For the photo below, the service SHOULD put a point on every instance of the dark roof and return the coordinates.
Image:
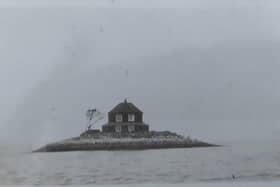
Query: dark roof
(125, 107)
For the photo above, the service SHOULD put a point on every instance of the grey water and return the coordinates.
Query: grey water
(242, 161)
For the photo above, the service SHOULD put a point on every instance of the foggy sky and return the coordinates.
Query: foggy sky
(209, 69)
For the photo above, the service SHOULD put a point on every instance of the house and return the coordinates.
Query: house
(125, 118)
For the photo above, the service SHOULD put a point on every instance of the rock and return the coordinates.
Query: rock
(89, 141)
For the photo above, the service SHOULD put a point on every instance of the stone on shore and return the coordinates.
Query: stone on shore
(93, 141)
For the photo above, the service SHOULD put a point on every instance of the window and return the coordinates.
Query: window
(119, 118)
(118, 128)
(131, 117)
(131, 128)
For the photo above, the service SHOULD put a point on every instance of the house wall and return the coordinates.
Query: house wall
(138, 117)
(138, 128)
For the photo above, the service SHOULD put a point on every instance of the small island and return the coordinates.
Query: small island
(125, 130)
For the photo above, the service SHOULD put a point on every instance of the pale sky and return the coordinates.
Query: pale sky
(208, 69)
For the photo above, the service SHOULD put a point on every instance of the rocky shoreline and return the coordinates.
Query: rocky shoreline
(98, 141)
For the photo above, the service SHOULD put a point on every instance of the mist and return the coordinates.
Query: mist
(205, 69)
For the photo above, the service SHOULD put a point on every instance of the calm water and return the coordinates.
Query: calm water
(247, 162)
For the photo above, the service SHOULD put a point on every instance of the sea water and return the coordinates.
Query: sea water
(236, 162)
